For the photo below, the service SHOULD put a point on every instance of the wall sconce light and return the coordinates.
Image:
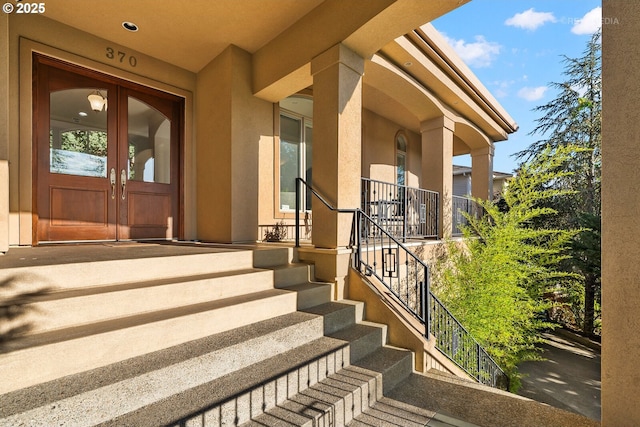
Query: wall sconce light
(97, 101)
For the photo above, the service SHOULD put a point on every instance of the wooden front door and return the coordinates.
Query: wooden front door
(107, 157)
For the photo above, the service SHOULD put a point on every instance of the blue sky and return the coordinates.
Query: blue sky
(515, 48)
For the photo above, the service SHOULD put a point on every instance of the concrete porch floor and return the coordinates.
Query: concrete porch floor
(66, 253)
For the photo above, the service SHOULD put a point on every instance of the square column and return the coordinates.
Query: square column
(437, 167)
(482, 173)
(4, 133)
(228, 145)
(620, 219)
(337, 128)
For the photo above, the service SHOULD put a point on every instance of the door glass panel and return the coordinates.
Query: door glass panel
(78, 134)
(149, 143)
(290, 135)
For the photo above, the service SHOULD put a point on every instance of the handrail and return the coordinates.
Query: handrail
(320, 197)
(388, 266)
(383, 258)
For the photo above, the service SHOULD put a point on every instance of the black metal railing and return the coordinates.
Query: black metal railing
(404, 212)
(380, 255)
(461, 206)
(458, 344)
(406, 276)
(286, 231)
(402, 272)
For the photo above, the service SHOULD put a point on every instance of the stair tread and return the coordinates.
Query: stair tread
(356, 331)
(179, 407)
(393, 413)
(322, 398)
(57, 294)
(331, 307)
(76, 332)
(384, 358)
(158, 394)
(305, 285)
(24, 399)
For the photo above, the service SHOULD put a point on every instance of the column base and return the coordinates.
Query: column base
(331, 265)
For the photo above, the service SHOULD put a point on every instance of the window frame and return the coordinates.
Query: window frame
(306, 122)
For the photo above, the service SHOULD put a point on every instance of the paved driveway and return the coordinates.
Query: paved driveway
(568, 379)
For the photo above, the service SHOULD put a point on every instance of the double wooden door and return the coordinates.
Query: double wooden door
(107, 157)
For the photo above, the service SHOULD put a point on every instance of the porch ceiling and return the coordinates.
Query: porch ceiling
(187, 34)
(282, 35)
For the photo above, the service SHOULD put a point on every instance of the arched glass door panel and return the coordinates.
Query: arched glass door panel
(149, 143)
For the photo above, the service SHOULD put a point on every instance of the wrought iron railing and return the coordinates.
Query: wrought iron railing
(461, 206)
(406, 276)
(458, 344)
(404, 212)
(286, 231)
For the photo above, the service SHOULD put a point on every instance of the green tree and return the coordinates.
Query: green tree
(495, 283)
(573, 118)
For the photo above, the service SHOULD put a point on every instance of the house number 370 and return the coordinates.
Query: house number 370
(122, 57)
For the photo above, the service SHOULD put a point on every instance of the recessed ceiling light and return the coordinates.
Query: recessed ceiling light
(82, 114)
(130, 26)
(408, 64)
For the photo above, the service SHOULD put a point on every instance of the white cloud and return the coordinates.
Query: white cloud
(502, 87)
(480, 53)
(590, 22)
(530, 19)
(532, 93)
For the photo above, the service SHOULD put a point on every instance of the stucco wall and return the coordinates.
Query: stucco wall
(379, 150)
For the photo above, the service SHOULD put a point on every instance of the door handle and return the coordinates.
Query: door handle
(112, 180)
(123, 181)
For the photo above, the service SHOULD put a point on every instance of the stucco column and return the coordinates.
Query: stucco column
(337, 138)
(230, 126)
(482, 172)
(437, 167)
(4, 133)
(620, 219)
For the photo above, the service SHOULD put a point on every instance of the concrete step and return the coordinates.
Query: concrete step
(65, 350)
(275, 358)
(338, 315)
(391, 412)
(341, 397)
(75, 307)
(292, 274)
(354, 389)
(332, 402)
(86, 273)
(449, 398)
(364, 337)
(310, 294)
(395, 363)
